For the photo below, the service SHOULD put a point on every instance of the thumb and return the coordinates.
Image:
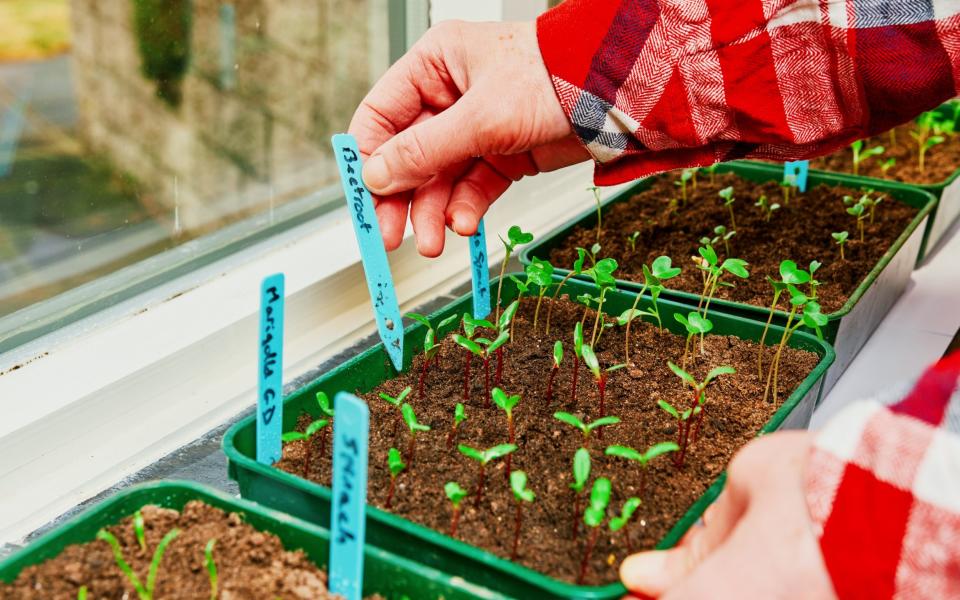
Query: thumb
(410, 158)
(654, 573)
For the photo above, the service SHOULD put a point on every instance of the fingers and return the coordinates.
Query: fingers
(473, 195)
(428, 210)
(392, 216)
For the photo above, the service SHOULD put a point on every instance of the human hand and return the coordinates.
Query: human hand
(466, 112)
(757, 540)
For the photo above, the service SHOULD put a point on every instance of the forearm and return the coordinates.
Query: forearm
(652, 85)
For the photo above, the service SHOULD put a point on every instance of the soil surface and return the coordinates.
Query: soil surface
(251, 564)
(735, 412)
(799, 231)
(939, 163)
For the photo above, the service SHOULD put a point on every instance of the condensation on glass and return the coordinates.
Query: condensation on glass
(128, 127)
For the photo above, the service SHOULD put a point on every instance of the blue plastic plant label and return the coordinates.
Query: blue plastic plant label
(348, 502)
(796, 172)
(481, 272)
(376, 267)
(270, 370)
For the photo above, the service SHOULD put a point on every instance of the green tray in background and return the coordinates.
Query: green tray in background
(390, 575)
(311, 501)
(848, 328)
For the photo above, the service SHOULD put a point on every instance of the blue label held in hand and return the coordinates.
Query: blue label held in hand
(351, 428)
(796, 172)
(270, 370)
(481, 272)
(376, 267)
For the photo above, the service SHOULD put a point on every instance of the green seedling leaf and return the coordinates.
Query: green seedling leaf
(708, 254)
(82, 593)
(518, 484)
(600, 495)
(498, 452)
(557, 353)
(717, 372)
(211, 566)
(157, 557)
(581, 469)
(573, 421)
(395, 462)
(502, 339)
(410, 418)
(669, 409)
(466, 343)
(138, 530)
(507, 315)
(682, 374)
(446, 322)
(727, 195)
(603, 422)
(505, 402)
(292, 436)
(814, 265)
(124, 566)
(590, 359)
(459, 414)
(540, 272)
(420, 319)
(399, 399)
(662, 268)
(470, 325)
(455, 493)
(323, 401)
(578, 340)
(314, 427)
(626, 513)
(790, 273)
(737, 266)
(623, 452)
(522, 286)
(471, 453)
(518, 236)
(617, 367)
(578, 264)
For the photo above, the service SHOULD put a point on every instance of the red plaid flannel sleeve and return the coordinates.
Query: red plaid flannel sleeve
(883, 489)
(653, 85)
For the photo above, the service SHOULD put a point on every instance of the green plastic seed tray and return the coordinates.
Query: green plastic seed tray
(311, 501)
(849, 328)
(390, 575)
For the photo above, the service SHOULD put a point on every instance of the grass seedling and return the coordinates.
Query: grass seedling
(507, 404)
(577, 356)
(515, 237)
(596, 200)
(860, 155)
(593, 518)
(306, 437)
(459, 416)
(766, 208)
(483, 348)
(138, 530)
(695, 325)
(713, 272)
(790, 274)
(483, 458)
(585, 428)
(410, 418)
(685, 176)
(144, 592)
(577, 270)
(540, 272)
(456, 495)
(398, 404)
(581, 473)
(521, 494)
(840, 237)
(699, 397)
(396, 465)
(211, 566)
(660, 270)
(600, 376)
(621, 522)
(728, 199)
(557, 359)
(431, 350)
(643, 458)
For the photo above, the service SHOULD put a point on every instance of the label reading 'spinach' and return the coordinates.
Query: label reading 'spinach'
(796, 172)
(481, 272)
(376, 267)
(270, 370)
(348, 503)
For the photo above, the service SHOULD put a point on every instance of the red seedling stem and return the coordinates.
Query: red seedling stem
(602, 387)
(499, 376)
(576, 513)
(451, 436)
(423, 376)
(323, 440)
(626, 538)
(466, 378)
(454, 520)
(486, 381)
(393, 485)
(479, 494)
(591, 542)
(516, 531)
(553, 375)
(411, 450)
(512, 441)
(306, 458)
(573, 389)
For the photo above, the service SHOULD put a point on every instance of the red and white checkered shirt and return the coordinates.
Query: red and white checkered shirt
(653, 85)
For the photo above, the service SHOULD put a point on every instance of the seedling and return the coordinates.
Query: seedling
(713, 271)
(581, 473)
(515, 237)
(857, 209)
(305, 437)
(578, 355)
(483, 458)
(871, 202)
(138, 530)
(585, 428)
(483, 348)
(888, 164)
(722, 235)
(410, 418)
(521, 493)
(840, 237)
(459, 416)
(790, 274)
(685, 176)
(398, 404)
(925, 123)
(621, 522)
(144, 592)
(712, 170)
(660, 270)
(632, 241)
(643, 458)
(728, 199)
(211, 566)
(593, 253)
(860, 155)
(602, 274)
(699, 398)
(456, 495)
(600, 376)
(786, 185)
(431, 350)
(695, 325)
(540, 272)
(557, 359)
(396, 465)
(82, 593)
(683, 424)
(576, 270)
(596, 199)
(505, 323)
(593, 518)
(811, 317)
(766, 208)
(507, 404)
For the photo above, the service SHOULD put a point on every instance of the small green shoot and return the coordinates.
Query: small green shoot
(459, 416)
(82, 593)
(596, 200)
(621, 522)
(557, 359)
(660, 270)
(578, 355)
(600, 376)
(887, 165)
(840, 237)
(456, 495)
(484, 348)
(138, 530)
(396, 466)
(507, 403)
(602, 274)
(593, 517)
(857, 209)
(410, 419)
(431, 349)
(521, 494)
(483, 458)
(790, 274)
(713, 271)
(632, 241)
(726, 194)
(576, 270)
(642, 458)
(695, 325)
(860, 155)
(766, 208)
(585, 428)
(306, 437)
(685, 176)
(144, 592)
(581, 473)
(211, 566)
(540, 272)
(515, 237)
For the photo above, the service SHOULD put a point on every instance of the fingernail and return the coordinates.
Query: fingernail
(639, 571)
(375, 174)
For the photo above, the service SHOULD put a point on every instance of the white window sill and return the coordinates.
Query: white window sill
(111, 394)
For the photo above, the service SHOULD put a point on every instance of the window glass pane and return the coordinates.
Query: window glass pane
(128, 127)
